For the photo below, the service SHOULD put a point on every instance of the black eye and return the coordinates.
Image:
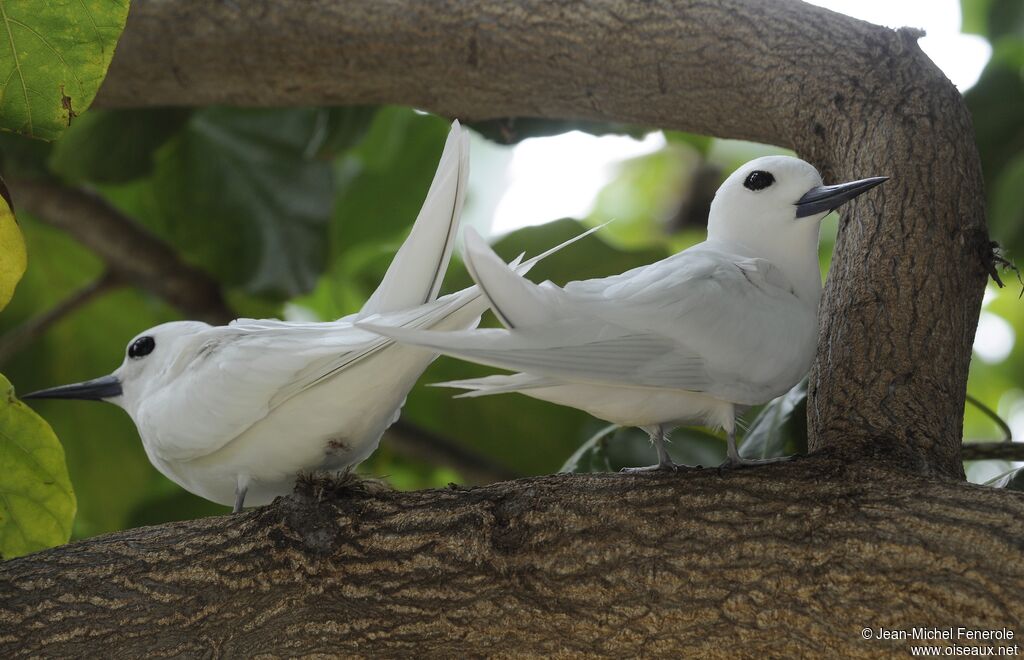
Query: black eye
(758, 180)
(141, 347)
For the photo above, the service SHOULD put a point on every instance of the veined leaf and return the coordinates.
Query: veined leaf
(53, 58)
(237, 193)
(37, 504)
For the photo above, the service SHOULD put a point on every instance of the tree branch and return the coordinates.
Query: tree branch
(131, 253)
(17, 338)
(854, 98)
(791, 560)
(983, 451)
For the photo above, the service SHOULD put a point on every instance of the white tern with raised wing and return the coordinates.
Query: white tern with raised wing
(233, 413)
(728, 323)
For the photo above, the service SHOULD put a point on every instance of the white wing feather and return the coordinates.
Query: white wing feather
(252, 366)
(683, 323)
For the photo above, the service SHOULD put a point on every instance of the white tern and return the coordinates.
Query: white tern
(728, 323)
(233, 413)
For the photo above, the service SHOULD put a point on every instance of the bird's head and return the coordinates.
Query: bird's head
(151, 358)
(778, 202)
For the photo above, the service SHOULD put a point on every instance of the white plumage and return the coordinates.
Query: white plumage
(233, 413)
(727, 323)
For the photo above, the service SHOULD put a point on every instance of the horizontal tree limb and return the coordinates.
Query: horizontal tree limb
(981, 451)
(790, 560)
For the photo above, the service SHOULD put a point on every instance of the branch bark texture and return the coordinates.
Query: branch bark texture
(792, 560)
(855, 99)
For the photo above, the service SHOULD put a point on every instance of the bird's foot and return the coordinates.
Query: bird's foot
(734, 462)
(660, 467)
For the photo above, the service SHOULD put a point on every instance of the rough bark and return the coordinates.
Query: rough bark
(789, 560)
(858, 100)
(792, 560)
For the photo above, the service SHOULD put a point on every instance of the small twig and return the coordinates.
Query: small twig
(129, 250)
(999, 260)
(17, 338)
(985, 451)
(994, 416)
(414, 442)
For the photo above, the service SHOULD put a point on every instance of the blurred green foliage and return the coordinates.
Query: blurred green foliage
(297, 212)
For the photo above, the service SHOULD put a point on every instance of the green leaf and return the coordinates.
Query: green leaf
(238, 193)
(780, 429)
(993, 19)
(974, 15)
(702, 143)
(12, 249)
(655, 195)
(341, 129)
(53, 59)
(37, 504)
(114, 146)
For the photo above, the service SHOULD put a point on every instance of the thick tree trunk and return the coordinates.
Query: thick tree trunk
(793, 560)
(874, 530)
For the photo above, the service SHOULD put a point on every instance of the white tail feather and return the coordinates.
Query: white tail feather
(415, 274)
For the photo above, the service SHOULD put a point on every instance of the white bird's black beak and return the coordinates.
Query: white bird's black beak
(95, 389)
(828, 198)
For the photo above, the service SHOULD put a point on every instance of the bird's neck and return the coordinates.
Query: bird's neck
(796, 258)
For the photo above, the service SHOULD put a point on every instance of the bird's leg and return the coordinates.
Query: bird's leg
(733, 454)
(657, 434)
(241, 487)
(734, 459)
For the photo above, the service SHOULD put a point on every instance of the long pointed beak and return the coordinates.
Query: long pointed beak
(95, 389)
(828, 198)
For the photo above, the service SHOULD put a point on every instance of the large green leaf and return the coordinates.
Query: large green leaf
(37, 504)
(53, 58)
(240, 194)
(652, 196)
(113, 146)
